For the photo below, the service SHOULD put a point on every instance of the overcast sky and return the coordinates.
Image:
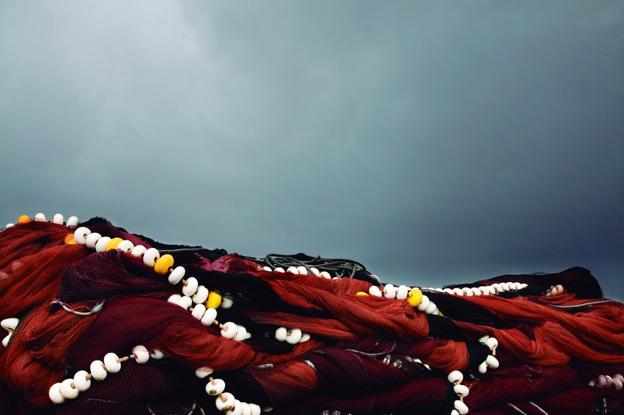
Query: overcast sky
(435, 142)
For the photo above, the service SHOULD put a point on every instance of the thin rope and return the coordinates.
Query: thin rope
(96, 309)
(583, 304)
(520, 411)
(538, 408)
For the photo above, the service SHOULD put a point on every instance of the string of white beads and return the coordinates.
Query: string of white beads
(98, 370)
(402, 293)
(195, 298)
(490, 362)
(456, 378)
(291, 336)
(428, 306)
(231, 330)
(57, 219)
(491, 289)
(193, 292)
(227, 403)
(300, 270)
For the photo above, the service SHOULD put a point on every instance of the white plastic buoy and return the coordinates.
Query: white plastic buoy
(281, 334)
(215, 387)
(203, 372)
(100, 245)
(82, 381)
(150, 257)
(80, 235)
(92, 240)
(294, 336)
(72, 222)
(98, 370)
(374, 291)
(190, 286)
(141, 354)
(209, 317)
(138, 251)
(111, 363)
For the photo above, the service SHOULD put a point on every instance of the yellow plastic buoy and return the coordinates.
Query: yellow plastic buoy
(414, 297)
(23, 219)
(163, 264)
(112, 244)
(361, 294)
(69, 239)
(214, 300)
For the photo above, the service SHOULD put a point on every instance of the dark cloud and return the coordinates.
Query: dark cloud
(432, 142)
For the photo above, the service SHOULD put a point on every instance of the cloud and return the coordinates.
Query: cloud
(432, 143)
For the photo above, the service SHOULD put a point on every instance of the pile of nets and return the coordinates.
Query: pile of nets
(98, 320)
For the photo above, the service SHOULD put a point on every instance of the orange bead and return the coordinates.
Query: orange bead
(113, 244)
(163, 264)
(23, 219)
(69, 239)
(214, 300)
(415, 296)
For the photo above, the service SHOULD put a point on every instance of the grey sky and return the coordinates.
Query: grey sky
(433, 141)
